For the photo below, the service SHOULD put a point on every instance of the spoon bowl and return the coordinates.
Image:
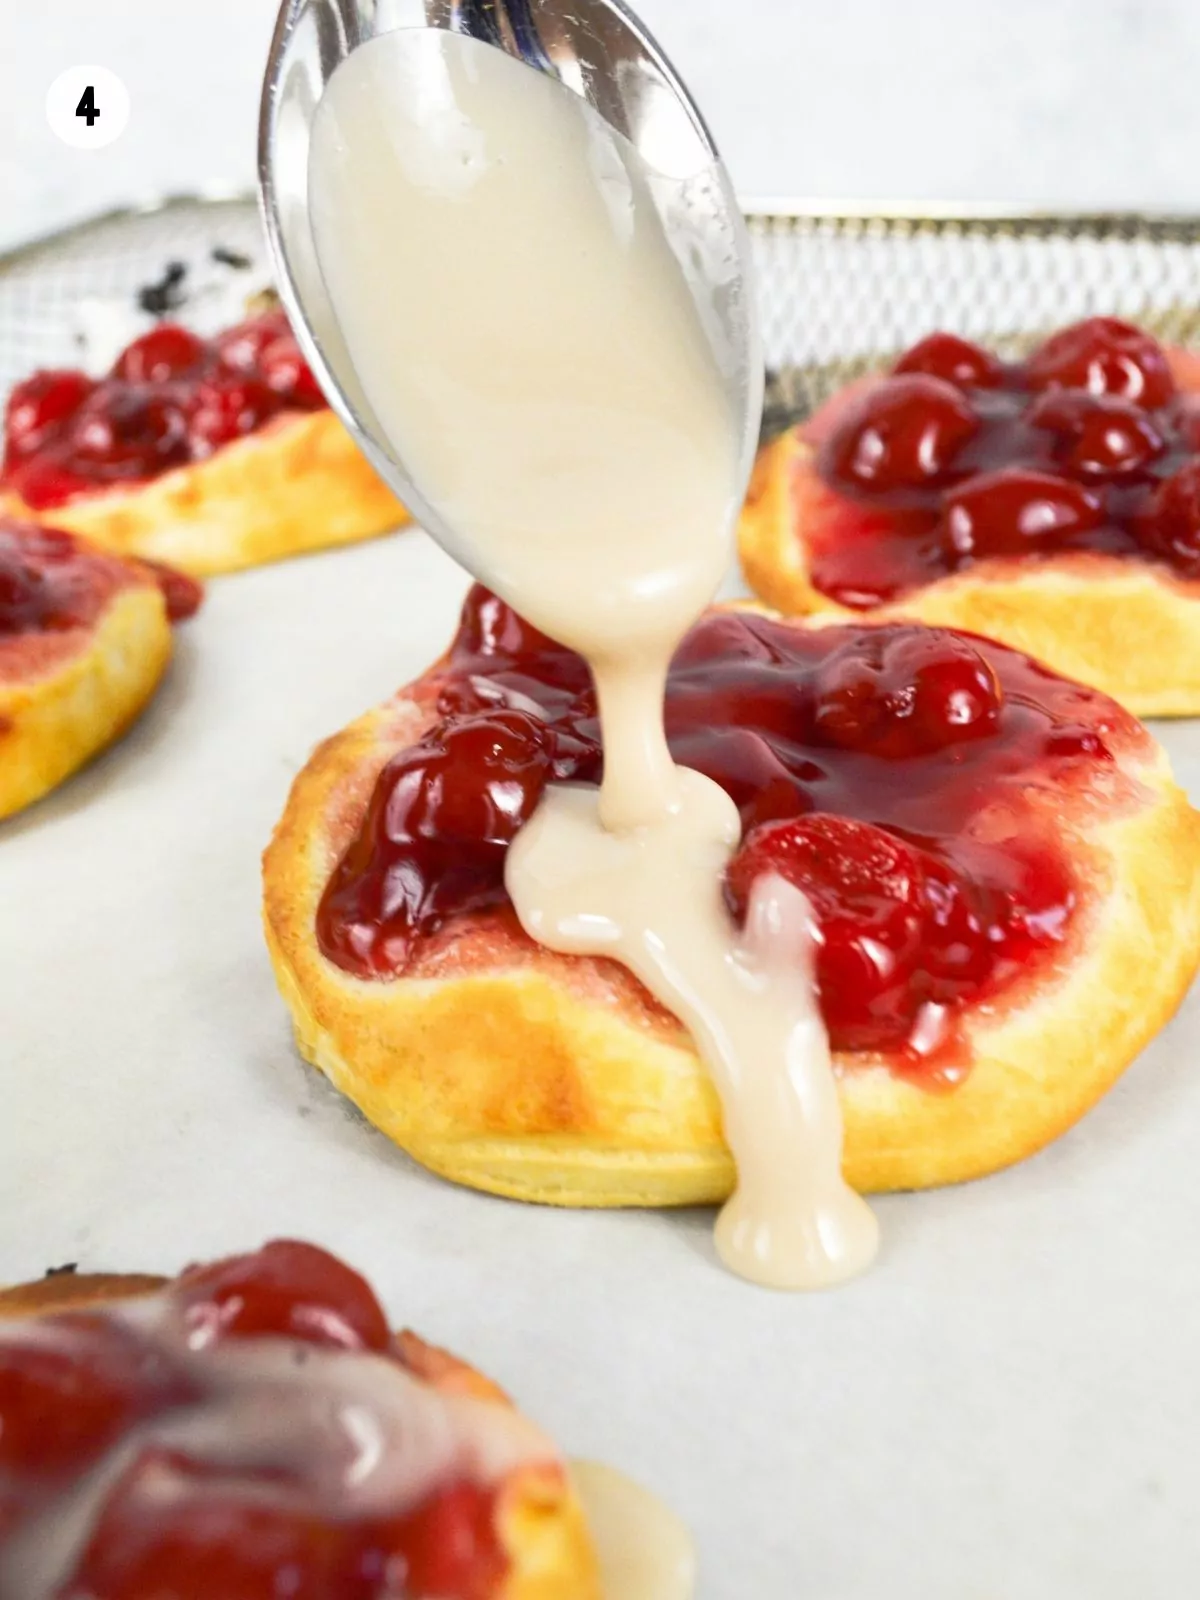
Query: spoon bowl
(600, 51)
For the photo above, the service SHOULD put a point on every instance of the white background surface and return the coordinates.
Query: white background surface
(1006, 1408)
(1067, 102)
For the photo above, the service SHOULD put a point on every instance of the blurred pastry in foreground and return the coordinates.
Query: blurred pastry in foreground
(1005, 880)
(209, 454)
(85, 637)
(253, 1428)
(1053, 504)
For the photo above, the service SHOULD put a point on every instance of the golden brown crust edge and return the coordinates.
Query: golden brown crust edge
(298, 484)
(1123, 627)
(540, 1521)
(52, 723)
(551, 1078)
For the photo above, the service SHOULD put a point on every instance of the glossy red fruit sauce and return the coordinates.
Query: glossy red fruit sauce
(958, 456)
(170, 399)
(185, 1516)
(907, 778)
(51, 582)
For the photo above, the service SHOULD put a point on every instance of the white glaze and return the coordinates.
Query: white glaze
(526, 339)
(644, 1550)
(366, 1435)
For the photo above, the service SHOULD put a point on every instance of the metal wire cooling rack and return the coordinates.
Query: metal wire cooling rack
(46, 286)
(842, 286)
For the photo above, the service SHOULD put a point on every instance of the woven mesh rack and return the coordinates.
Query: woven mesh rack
(842, 287)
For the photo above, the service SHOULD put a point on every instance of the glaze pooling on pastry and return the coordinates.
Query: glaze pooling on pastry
(927, 841)
(253, 1418)
(253, 1428)
(1088, 447)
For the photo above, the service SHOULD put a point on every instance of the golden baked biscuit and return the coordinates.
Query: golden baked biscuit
(208, 455)
(85, 637)
(1119, 615)
(502, 1065)
(523, 1538)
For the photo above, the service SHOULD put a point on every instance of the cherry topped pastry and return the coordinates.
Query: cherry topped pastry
(990, 851)
(208, 453)
(1051, 503)
(85, 637)
(253, 1429)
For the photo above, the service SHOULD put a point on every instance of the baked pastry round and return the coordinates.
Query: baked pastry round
(1052, 504)
(238, 1478)
(1005, 877)
(210, 455)
(85, 637)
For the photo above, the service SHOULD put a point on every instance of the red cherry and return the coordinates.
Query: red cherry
(794, 724)
(906, 693)
(1171, 525)
(958, 361)
(45, 481)
(1100, 436)
(133, 430)
(439, 823)
(26, 597)
(949, 692)
(223, 410)
(173, 1529)
(449, 1545)
(167, 351)
(1104, 356)
(482, 782)
(241, 346)
(1017, 510)
(38, 408)
(287, 1289)
(852, 705)
(869, 892)
(285, 370)
(487, 626)
(904, 433)
(70, 1385)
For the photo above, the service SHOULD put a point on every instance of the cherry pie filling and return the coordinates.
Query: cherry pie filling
(50, 582)
(186, 1514)
(171, 398)
(911, 780)
(956, 457)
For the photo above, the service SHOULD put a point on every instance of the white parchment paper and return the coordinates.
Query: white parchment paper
(1006, 1409)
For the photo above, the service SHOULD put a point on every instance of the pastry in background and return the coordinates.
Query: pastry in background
(210, 454)
(1053, 504)
(85, 637)
(254, 1428)
(1005, 879)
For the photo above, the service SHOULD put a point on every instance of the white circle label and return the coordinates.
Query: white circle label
(87, 107)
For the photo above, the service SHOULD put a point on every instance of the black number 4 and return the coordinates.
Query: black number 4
(87, 105)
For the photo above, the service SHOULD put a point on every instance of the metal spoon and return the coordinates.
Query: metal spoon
(601, 51)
